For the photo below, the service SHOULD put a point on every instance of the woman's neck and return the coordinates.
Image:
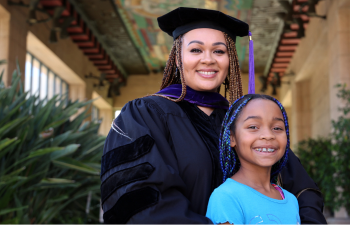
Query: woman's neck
(206, 110)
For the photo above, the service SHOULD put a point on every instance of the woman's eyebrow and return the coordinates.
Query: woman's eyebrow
(198, 42)
(219, 43)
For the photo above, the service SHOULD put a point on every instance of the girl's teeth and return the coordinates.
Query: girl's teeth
(265, 149)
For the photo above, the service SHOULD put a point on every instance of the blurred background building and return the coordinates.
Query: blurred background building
(113, 51)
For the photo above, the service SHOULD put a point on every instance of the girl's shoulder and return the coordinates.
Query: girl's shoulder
(230, 189)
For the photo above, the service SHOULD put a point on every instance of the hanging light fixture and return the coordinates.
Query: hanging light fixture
(33, 5)
(311, 12)
(67, 21)
(55, 24)
(263, 80)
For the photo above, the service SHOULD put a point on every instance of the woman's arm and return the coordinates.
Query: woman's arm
(297, 181)
(140, 177)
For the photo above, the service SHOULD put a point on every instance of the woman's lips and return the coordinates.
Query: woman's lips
(207, 74)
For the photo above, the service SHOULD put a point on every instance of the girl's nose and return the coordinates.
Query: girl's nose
(267, 134)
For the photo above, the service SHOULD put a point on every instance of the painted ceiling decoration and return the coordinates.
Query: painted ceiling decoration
(140, 18)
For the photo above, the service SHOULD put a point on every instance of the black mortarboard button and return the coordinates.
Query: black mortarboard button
(182, 20)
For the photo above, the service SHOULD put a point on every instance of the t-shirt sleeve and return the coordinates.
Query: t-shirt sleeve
(223, 207)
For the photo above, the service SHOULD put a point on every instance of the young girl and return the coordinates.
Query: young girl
(254, 144)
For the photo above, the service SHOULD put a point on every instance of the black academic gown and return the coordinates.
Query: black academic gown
(161, 163)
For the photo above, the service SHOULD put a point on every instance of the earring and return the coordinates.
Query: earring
(176, 73)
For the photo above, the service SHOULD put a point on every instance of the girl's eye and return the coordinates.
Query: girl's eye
(253, 127)
(278, 128)
(196, 50)
(220, 51)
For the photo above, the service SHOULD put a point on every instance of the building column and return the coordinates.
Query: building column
(301, 112)
(4, 40)
(339, 51)
(13, 37)
(338, 18)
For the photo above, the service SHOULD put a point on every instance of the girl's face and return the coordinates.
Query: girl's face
(205, 59)
(260, 137)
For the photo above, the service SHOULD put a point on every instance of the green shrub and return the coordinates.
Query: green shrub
(327, 161)
(316, 157)
(341, 136)
(49, 163)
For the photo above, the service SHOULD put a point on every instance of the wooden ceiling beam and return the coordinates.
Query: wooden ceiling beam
(83, 37)
(284, 48)
(284, 59)
(280, 65)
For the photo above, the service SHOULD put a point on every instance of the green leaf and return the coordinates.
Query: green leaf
(70, 149)
(60, 138)
(75, 165)
(44, 151)
(13, 124)
(5, 143)
(6, 211)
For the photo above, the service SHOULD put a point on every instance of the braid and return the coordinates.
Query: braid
(233, 83)
(229, 160)
(169, 75)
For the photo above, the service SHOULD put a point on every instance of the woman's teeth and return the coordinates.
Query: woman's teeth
(264, 149)
(207, 73)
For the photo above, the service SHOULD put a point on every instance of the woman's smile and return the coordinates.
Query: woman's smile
(207, 73)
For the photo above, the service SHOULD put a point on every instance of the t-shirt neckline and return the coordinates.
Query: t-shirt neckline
(283, 201)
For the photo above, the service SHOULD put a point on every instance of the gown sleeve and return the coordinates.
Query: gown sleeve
(139, 173)
(297, 181)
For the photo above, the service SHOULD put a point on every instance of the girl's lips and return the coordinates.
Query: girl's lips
(207, 74)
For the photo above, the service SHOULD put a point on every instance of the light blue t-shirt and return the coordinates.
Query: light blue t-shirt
(238, 203)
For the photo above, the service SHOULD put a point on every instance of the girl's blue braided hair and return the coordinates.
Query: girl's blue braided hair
(228, 157)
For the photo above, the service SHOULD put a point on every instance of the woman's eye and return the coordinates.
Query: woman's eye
(196, 50)
(220, 52)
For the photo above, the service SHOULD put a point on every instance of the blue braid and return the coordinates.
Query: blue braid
(229, 160)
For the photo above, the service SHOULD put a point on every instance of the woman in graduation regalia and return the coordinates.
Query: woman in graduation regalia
(161, 158)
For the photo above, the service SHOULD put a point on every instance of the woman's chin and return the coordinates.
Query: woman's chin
(205, 86)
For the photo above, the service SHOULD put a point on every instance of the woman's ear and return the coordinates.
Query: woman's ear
(232, 141)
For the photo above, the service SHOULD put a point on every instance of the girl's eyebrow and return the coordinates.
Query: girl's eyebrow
(253, 117)
(279, 119)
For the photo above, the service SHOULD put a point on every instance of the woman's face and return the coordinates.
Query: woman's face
(205, 59)
(260, 137)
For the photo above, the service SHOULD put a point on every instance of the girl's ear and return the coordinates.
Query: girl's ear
(232, 141)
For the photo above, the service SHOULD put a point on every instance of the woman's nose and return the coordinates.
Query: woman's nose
(208, 58)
